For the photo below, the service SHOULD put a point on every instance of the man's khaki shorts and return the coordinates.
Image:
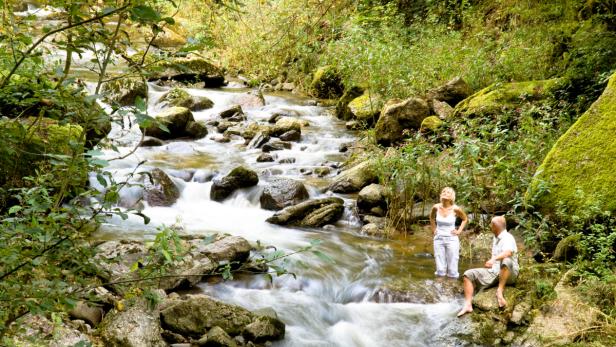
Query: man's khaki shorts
(483, 278)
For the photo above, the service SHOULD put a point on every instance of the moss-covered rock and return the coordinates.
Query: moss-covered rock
(342, 109)
(240, 177)
(187, 69)
(506, 96)
(180, 98)
(366, 108)
(431, 124)
(578, 172)
(355, 178)
(124, 91)
(326, 83)
(176, 119)
(168, 38)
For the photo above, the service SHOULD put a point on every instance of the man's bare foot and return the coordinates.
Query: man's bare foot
(501, 299)
(466, 309)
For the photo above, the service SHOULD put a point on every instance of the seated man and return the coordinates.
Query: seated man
(501, 269)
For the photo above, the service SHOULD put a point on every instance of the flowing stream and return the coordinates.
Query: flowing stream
(330, 303)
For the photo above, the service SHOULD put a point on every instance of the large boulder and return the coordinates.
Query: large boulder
(175, 119)
(326, 83)
(372, 197)
(187, 69)
(136, 326)
(499, 97)
(355, 178)
(312, 214)
(124, 91)
(167, 38)
(115, 260)
(366, 108)
(283, 192)
(177, 97)
(398, 116)
(285, 124)
(342, 109)
(452, 92)
(195, 315)
(159, 189)
(239, 177)
(578, 172)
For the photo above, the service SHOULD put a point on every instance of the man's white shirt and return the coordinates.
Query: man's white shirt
(504, 242)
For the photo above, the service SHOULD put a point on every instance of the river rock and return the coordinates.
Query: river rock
(275, 117)
(398, 116)
(189, 69)
(366, 108)
(137, 326)
(196, 130)
(275, 146)
(265, 157)
(371, 196)
(231, 111)
(281, 193)
(326, 83)
(258, 140)
(177, 97)
(239, 177)
(251, 130)
(124, 91)
(224, 126)
(499, 97)
(291, 135)
(216, 337)
(452, 92)
(342, 109)
(442, 109)
(226, 249)
(149, 141)
(166, 38)
(355, 178)
(251, 99)
(90, 314)
(313, 213)
(486, 300)
(194, 315)
(175, 119)
(286, 124)
(159, 189)
(286, 161)
(577, 174)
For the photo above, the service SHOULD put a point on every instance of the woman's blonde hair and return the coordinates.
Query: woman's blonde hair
(448, 193)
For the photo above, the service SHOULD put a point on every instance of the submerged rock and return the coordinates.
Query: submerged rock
(281, 193)
(398, 116)
(355, 178)
(326, 83)
(578, 172)
(313, 213)
(239, 177)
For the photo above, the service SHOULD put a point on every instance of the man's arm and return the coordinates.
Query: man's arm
(505, 254)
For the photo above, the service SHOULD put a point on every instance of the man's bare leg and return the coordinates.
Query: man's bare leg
(503, 276)
(468, 297)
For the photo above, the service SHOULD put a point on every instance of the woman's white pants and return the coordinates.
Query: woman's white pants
(446, 255)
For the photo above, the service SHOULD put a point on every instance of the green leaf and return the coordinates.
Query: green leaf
(101, 180)
(323, 256)
(166, 255)
(145, 14)
(15, 209)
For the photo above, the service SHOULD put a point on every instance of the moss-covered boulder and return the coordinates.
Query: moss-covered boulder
(124, 91)
(180, 98)
(187, 69)
(326, 83)
(355, 178)
(366, 108)
(342, 109)
(175, 119)
(578, 172)
(431, 124)
(398, 116)
(23, 143)
(499, 97)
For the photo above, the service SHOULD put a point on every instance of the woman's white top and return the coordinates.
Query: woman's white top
(445, 225)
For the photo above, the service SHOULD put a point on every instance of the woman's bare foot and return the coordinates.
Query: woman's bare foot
(468, 308)
(501, 299)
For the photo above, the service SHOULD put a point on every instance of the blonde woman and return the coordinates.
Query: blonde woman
(446, 241)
